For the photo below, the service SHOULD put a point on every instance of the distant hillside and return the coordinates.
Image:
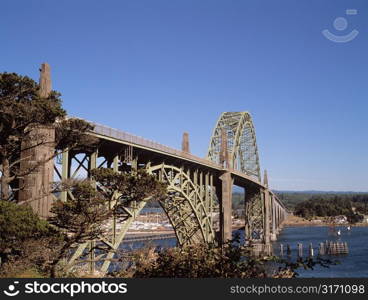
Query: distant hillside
(319, 192)
(353, 206)
(292, 199)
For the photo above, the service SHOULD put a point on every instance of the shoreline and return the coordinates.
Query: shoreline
(164, 232)
(324, 225)
(295, 221)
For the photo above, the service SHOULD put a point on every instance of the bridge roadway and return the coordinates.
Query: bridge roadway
(119, 136)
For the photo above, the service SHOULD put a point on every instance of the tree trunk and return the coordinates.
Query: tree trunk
(5, 190)
(57, 259)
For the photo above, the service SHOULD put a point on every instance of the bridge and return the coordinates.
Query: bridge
(196, 186)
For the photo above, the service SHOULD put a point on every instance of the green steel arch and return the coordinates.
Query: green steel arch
(241, 143)
(185, 205)
(188, 206)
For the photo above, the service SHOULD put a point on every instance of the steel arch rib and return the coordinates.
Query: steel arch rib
(236, 124)
(246, 122)
(210, 153)
(198, 209)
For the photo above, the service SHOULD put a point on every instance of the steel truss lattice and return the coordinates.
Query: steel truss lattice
(189, 205)
(241, 143)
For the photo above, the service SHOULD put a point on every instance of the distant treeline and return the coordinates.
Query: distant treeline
(292, 199)
(311, 203)
(352, 206)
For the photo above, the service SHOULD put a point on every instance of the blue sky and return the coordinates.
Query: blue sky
(158, 68)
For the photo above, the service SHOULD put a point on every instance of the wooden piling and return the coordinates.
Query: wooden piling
(321, 250)
(311, 251)
(281, 250)
(300, 249)
(333, 248)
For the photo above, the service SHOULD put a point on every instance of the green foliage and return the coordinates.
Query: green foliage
(128, 186)
(201, 261)
(81, 215)
(323, 207)
(21, 111)
(70, 133)
(17, 225)
(355, 218)
(319, 206)
(21, 107)
(291, 199)
(80, 218)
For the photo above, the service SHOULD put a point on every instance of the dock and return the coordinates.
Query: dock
(333, 248)
(325, 248)
(148, 237)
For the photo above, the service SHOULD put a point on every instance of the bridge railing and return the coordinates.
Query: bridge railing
(140, 141)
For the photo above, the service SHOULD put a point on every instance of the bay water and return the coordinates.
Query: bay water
(354, 264)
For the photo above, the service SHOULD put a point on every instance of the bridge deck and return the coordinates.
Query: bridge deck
(119, 136)
(130, 139)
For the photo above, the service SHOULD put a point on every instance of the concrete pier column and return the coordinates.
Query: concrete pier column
(226, 189)
(277, 218)
(266, 203)
(267, 209)
(273, 220)
(225, 207)
(185, 143)
(247, 227)
(65, 171)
